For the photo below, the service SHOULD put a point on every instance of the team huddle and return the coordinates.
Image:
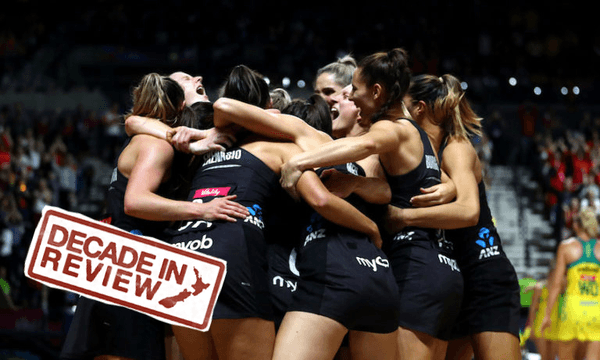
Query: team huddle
(354, 223)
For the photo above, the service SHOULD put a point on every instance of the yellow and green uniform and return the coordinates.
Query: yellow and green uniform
(552, 332)
(580, 315)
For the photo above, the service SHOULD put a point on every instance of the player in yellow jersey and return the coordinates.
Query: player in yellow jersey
(578, 259)
(545, 343)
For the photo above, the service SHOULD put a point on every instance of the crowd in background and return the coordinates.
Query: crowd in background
(482, 42)
(566, 163)
(57, 159)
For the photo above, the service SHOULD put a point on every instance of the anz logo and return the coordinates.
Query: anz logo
(255, 217)
(316, 229)
(486, 241)
(404, 236)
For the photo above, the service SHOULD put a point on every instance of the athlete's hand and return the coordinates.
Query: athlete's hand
(338, 183)
(523, 337)
(222, 208)
(435, 195)
(393, 219)
(376, 239)
(546, 323)
(216, 139)
(290, 174)
(181, 136)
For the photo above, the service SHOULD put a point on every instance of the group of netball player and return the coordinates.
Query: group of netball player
(354, 223)
(564, 316)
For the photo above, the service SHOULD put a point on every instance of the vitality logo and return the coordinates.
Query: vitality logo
(486, 241)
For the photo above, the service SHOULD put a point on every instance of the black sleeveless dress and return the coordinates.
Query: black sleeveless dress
(491, 299)
(343, 276)
(242, 244)
(429, 281)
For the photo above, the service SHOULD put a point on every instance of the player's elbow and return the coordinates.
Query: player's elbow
(131, 123)
(367, 147)
(319, 201)
(386, 196)
(131, 205)
(471, 217)
(223, 105)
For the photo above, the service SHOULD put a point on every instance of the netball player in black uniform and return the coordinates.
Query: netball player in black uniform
(241, 326)
(105, 331)
(285, 227)
(287, 127)
(341, 272)
(489, 314)
(429, 282)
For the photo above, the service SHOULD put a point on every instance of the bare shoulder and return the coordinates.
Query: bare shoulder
(460, 153)
(569, 244)
(460, 146)
(400, 128)
(272, 152)
(150, 146)
(404, 125)
(148, 140)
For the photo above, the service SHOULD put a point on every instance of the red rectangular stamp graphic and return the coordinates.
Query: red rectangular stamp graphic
(72, 252)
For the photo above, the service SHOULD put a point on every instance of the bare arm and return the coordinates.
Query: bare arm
(183, 138)
(267, 123)
(535, 303)
(142, 125)
(334, 208)
(438, 194)
(383, 136)
(371, 189)
(460, 158)
(152, 161)
(555, 283)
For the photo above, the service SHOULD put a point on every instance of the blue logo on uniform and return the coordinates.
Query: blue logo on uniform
(136, 232)
(255, 210)
(316, 222)
(255, 216)
(315, 230)
(485, 238)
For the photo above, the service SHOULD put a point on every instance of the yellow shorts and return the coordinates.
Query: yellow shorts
(579, 319)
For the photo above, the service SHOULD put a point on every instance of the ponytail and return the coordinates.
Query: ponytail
(392, 72)
(248, 86)
(314, 111)
(586, 218)
(158, 97)
(446, 102)
(342, 71)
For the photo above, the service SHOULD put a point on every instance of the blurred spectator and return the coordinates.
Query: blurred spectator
(114, 131)
(495, 126)
(589, 187)
(570, 210)
(6, 145)
(590, 200)
(67, 180)
(485, 149)
(43, 196)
